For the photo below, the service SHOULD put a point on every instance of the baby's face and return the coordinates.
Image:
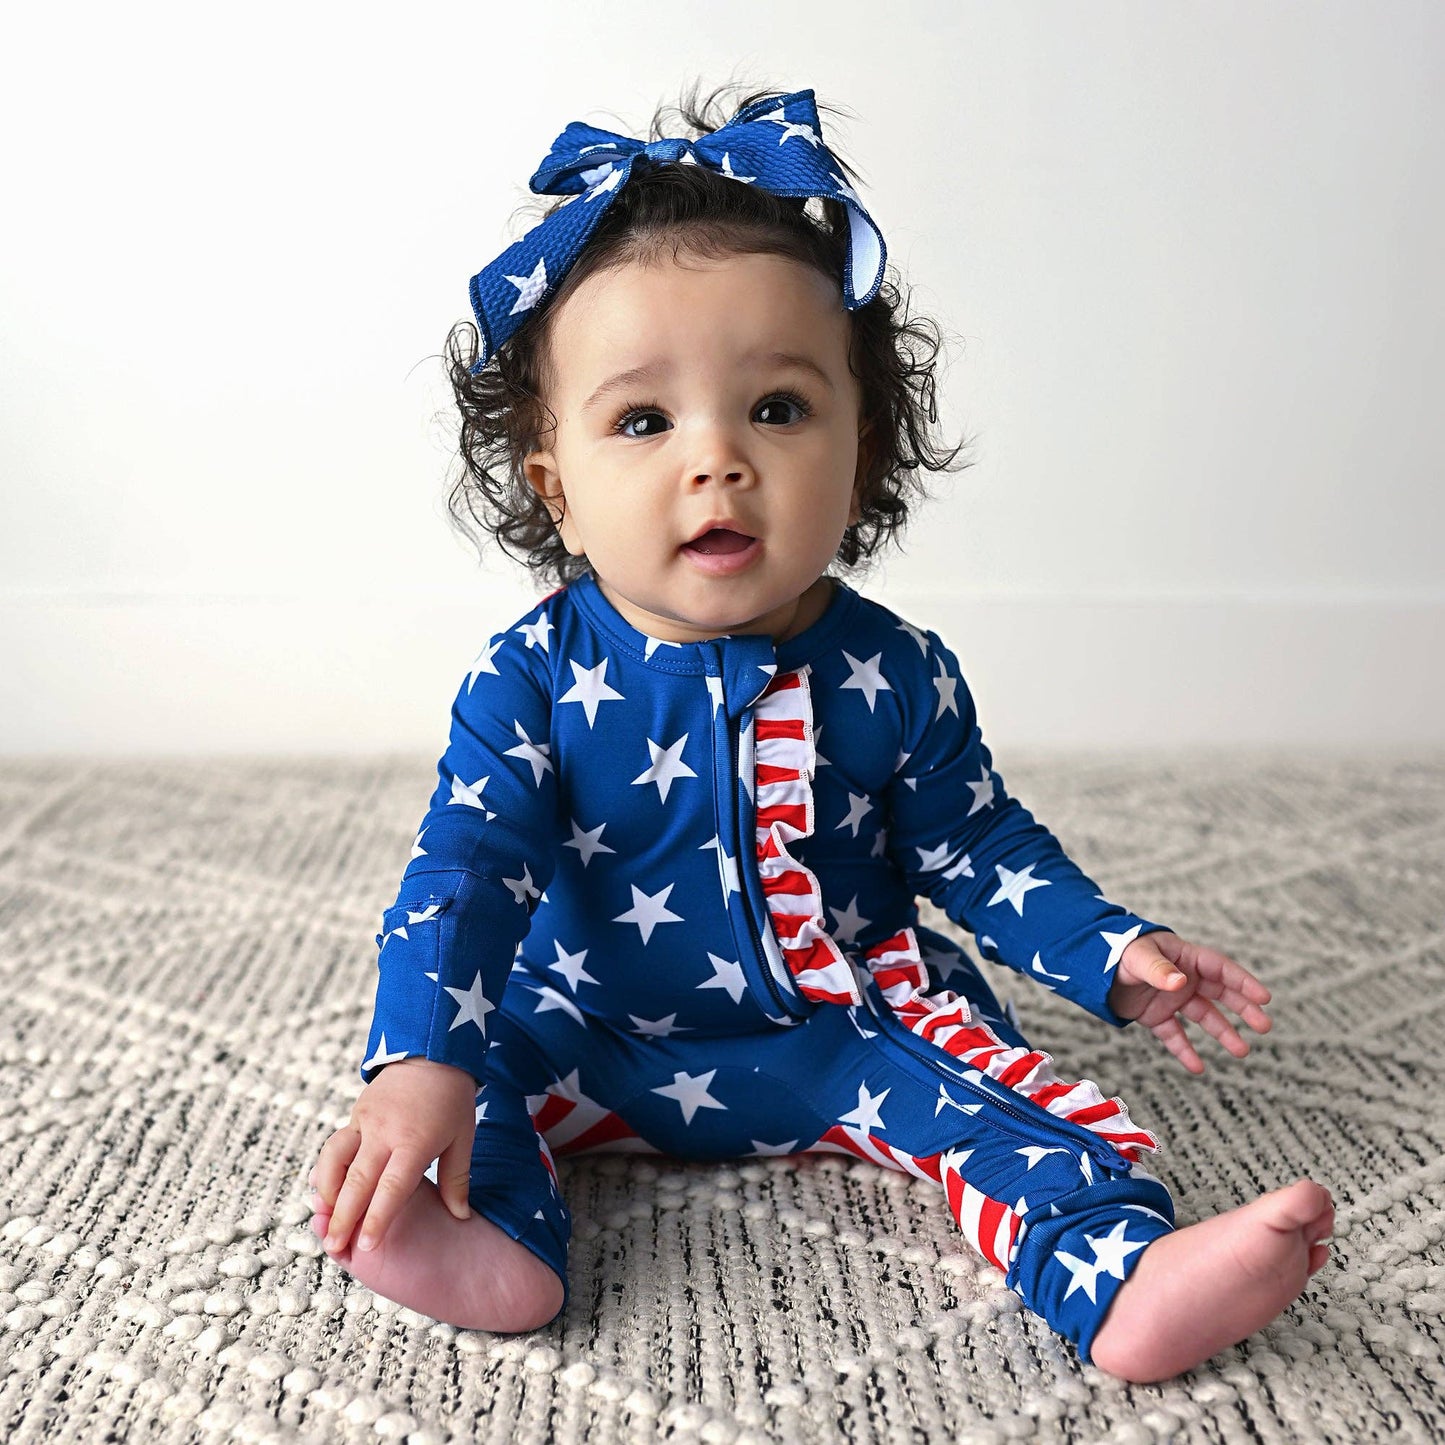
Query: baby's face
(714, 435)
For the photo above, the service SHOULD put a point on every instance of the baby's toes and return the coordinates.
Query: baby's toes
(1298, 1206)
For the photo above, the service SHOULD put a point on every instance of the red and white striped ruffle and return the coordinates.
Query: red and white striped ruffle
(784, 761)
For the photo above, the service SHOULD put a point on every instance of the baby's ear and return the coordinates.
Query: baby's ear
(540, 469)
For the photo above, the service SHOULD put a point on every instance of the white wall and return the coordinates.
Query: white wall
(1189, 257)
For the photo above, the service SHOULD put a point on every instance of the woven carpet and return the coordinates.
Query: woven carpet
(186, 969)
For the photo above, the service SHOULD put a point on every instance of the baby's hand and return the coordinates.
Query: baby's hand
(412, 1112)
(1160, 976)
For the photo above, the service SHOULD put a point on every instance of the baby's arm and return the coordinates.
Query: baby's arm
(479, 864)
(980, 855)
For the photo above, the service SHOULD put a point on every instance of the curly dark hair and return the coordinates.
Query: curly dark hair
(693, 209)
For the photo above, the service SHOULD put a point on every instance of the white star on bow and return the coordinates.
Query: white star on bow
(1014, 886)
(538, 754)
(667, 766)
(590, 689)
(690, 1091)
(866, 677)
(530, 289)
(648, 910)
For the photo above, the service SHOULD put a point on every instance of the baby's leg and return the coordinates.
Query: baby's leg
(504, 1268)
(1201, 1289)
(1085, 1234)
(466, 1272)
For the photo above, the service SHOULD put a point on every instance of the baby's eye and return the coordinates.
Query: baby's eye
(787, 399)
(632, 414)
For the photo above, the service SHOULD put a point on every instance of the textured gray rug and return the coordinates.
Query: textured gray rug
(186, 969)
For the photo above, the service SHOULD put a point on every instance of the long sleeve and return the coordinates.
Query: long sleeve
(480, 862)
(982, 858)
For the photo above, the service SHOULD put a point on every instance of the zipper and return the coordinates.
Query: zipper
(1099, 1147)
(747, 859)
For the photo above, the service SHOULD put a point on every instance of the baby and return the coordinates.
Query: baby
(664, 898)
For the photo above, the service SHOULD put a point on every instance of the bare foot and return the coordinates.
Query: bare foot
(1201, 1289)
(465, 1272)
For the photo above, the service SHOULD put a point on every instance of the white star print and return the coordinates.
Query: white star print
(1109, 1253)
(866, 1115)
(550, 1001)
(1113, 1249)
(523, 887)
(1118, 942)
(962, 869)
(727, 868)
(932, 859)
(537, 632)
(944, 1097)
(569, 965)
(483, 661)
(470, 794)
(727, 169)
(760, 1148)
(648, 910)
(381, 1056)
(1034, 1152)
(530, 289)
(473, 1006)
(728, 975)
(587, 843)
(658, 1028)
(610, 177)
(538, 754)
(916, 635)
(653, 643)
(1038, 967)
(667, 766)
(857, 808)
(1014, 886)
(945, 685)
(590, 689)
(425, 916)
(819, 761)
(417, 851)
(982, 793)
(848, 923)
(866, 677)
(690, 1091)
(715, 692)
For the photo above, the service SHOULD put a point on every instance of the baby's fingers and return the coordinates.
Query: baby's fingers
(397, 1184)
(333, 1162)
(1213, 1022)
(354, 1196)
(1171, 1034)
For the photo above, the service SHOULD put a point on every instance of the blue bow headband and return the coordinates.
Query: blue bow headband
(774, 143)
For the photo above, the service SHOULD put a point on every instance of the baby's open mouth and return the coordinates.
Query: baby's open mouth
(720, 539)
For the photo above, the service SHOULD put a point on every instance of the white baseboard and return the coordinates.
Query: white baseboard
(192, 676)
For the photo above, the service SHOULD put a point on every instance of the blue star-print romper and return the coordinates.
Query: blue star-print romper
(664, 900)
